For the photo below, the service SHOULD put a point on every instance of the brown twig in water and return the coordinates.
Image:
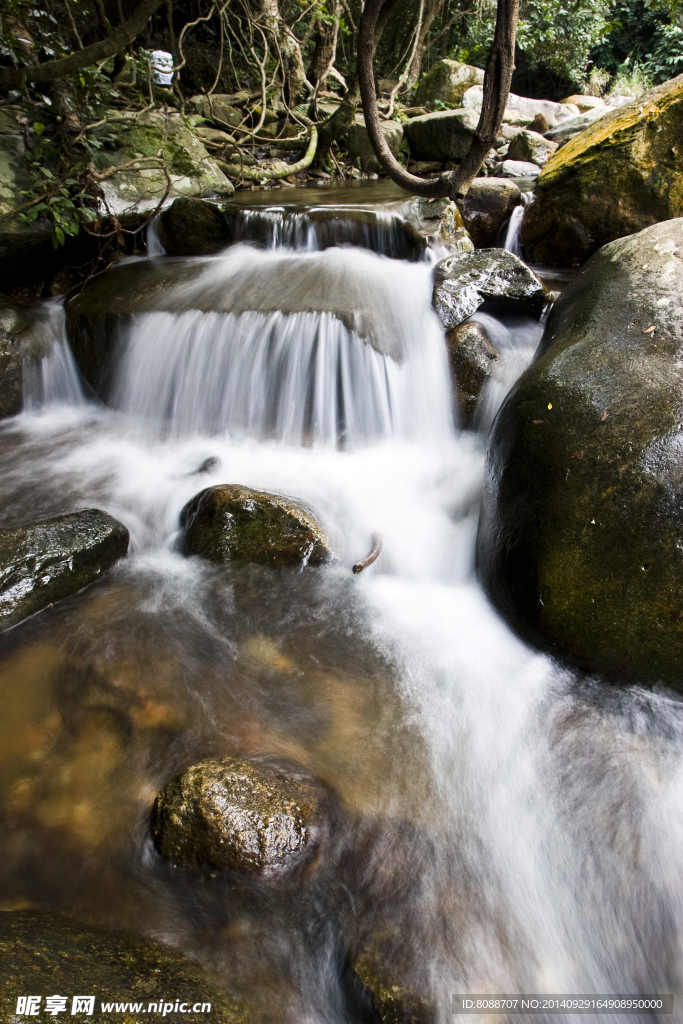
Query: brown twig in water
(372, 555)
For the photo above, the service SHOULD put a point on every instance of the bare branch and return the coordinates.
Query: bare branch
(51, 69)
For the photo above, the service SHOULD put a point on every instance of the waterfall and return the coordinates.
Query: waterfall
(512, 241)
(380, 230)
(50, 376)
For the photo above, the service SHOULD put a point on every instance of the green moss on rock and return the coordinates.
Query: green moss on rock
(231, 522)
(43, 562)
(617, 176)
(582, 517)
(50, 954)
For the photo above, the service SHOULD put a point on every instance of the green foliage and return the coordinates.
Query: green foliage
(644, 47)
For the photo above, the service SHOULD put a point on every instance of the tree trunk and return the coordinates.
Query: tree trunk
(497, 79)
(325, 50)
(284, 45)
(432, 10)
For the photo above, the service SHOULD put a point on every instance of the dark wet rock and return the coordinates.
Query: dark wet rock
(517, 169)
(360, 148)
(193, 227)
(443, 135)
(447, 81)
(209, 465)
(531, 146)
(582, 518)
(247, 815)
(50, 954)
(11, 377)
(464, 282)
(398, 995)
(437, 220)
(486, 207)
(619, 175)
(473, 359)
(231, 522)
(218, 109)
(43, 562)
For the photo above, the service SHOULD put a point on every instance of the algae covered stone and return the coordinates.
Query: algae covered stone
(619, 175)
(239, 813)
(464, 282)
(43, 562)
(50, 954)
(582, 517)
(447, 81)
(231, 522)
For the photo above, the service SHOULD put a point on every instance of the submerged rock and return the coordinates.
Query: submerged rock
(360, 148)
(48, 953)
(582, 517)
(473, 359)
(464, 282)
(443, 135)
(246, 815)
(193, 227)
(227, 523)
(396, 998)
(447, 81)
(619, 175)
(486, 206)
(531, 146)
(43, 562)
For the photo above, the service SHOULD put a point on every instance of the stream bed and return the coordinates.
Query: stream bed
(506, 826)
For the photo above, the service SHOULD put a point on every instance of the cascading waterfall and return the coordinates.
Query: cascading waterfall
(544, 812)
(512, 241)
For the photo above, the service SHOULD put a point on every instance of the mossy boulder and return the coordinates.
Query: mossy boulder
(447, 81)
(582, 518)
(442, 135)
(489, 202)
(360, 148)
(138, 190)
(43, 562)
(192, 227)
(217, 109)
(464, 282)
(473, 359)
(241, 814)
(235, 523)
(617, 176)
(397, 996)
(49, 954)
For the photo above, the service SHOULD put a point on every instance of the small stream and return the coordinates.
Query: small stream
(507, 827)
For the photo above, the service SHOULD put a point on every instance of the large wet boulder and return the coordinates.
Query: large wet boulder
(193, 227)
(473, 360)
(360, 148)
(582, 518)
(242, 814)
(442, 135)
(447, 81)
(486, 207)
(43, 562)
(138, 190)
(464, 282)
(619, 175)
(532, 147)
(235, 523)
(49, 954)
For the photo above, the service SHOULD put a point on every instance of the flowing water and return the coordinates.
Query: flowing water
(506, 826)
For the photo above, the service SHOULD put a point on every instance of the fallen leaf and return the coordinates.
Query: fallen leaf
(649, 330)
(550, 405)
(604, 416)
(536, 422)
(577, 455)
